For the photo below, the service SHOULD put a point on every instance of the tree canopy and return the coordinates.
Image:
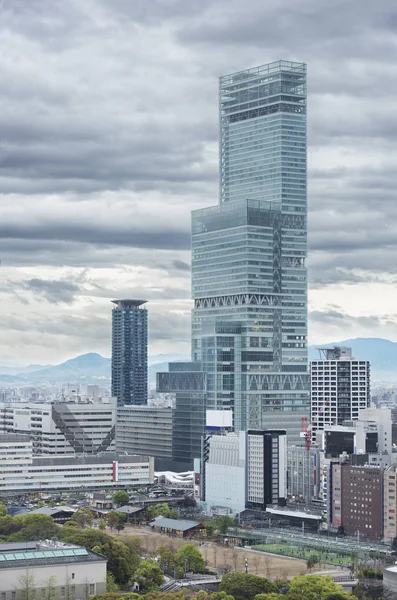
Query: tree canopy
(121, 498)
(224, 523)
(243, 586)
(315, 587)
(190, 559)
(149, 576)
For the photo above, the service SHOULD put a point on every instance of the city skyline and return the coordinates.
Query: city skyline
(98, 183)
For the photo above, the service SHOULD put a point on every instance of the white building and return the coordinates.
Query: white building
(83, 425)
(55, 570)
(266, 467)
(225, 473)
(339, 387)
(23, 472)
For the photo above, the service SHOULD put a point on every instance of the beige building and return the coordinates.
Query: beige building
(389, 503)
(51, 570)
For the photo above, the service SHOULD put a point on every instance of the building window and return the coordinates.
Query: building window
(92, 588)
(72, 575)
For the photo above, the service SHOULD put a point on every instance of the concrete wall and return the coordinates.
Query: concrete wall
(78, 575)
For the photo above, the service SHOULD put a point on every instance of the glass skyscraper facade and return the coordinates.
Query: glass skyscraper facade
(249, 279)
(129, 352)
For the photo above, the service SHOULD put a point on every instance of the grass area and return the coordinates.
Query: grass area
(331, 558)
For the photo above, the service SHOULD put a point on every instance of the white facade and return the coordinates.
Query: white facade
(82, 426)
(21, 471)
(339, 388)
(73, 571)
(266, 467)
(225, 473)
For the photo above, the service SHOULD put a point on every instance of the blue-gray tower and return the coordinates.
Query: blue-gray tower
(249, 278)
(129, 351)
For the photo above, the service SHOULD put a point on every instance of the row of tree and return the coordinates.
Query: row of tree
(243, 586)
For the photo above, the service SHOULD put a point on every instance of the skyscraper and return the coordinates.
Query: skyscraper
(249, 279)
(129, 352)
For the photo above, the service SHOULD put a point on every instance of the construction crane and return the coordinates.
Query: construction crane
(306, 432)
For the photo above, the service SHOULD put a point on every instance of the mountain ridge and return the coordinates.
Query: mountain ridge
(94, 368)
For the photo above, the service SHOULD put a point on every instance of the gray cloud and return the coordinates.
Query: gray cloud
(53, 291)
(109, 138)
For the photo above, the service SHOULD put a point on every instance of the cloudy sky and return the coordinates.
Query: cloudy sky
(109, 128)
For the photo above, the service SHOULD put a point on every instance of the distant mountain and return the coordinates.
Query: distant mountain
(87, 368)
(21, 370)
(381, 353)
(84, 368)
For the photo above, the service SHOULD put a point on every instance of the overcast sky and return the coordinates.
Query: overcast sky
(109, 130)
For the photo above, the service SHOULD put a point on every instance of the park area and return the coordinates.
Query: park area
(307, 554)
(224, 558)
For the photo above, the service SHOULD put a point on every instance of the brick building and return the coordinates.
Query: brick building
(356, 500)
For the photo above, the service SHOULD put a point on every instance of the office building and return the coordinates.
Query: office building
(340, 387)
(187, 382)
(390, 504)
(77, 426)
(225, 474)
(22, 472)
(50, 570)
(355, 500)
(266, 468)
(249, 279)
(303, 468)
(129, 352)
(144, 430)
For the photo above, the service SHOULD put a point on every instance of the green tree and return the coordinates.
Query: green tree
(271, 596)
(83, 516)
(190, 559)
(3, 509)
(87, 537)
(149, 576)
(243, 586)
(315, 587)
(224, 523)
(26, 586)
(121, 498)
(122, 560)
(8, 525)
(166, 557)
(50, 589)
(101, 524)
(34, 527)
(115, 520)
(209, 527)
(160, 509)
(111, 585)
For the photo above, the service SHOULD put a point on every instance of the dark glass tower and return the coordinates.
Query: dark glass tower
(129, 352)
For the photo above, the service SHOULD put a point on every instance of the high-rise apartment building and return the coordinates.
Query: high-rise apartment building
(249, 279)
(266, 468)
(129, 352)
(340, 387)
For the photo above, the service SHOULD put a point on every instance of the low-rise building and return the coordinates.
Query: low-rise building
(55, 570)
(80, 425)
(21, 471)
(175, 527)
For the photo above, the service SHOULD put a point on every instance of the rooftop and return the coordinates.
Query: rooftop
(11, 557)
(52, 510)
(173, 524)
(129, 302)
(129, 510)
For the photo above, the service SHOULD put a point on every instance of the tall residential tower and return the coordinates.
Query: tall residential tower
(249, 278)
(129, 352)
